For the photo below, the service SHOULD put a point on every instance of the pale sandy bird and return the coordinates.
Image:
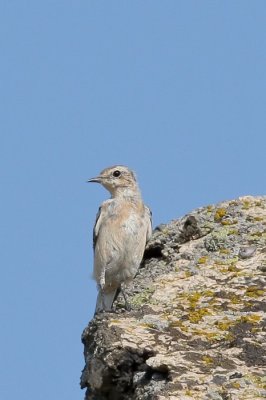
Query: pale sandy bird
(122, 228)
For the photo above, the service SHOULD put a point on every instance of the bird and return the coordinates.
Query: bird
(122, 228)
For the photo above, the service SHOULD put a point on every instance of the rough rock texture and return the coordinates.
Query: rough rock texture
(197, 326)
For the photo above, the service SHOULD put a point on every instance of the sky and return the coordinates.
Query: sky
(176, 90)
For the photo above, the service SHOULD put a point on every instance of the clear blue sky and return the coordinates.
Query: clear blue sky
(174, 89)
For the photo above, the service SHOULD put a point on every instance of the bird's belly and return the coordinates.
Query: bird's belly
(119, 252)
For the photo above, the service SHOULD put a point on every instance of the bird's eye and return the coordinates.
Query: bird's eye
(116, 173)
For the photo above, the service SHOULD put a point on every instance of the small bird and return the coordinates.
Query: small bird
(122, 228)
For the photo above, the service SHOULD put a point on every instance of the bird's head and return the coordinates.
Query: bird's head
(117, 179)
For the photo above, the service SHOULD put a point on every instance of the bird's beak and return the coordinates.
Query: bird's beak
(97, 179)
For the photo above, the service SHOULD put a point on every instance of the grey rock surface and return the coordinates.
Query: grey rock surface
(197, 326)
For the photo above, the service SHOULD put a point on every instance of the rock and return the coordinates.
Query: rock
(197, 326)
(247, 252)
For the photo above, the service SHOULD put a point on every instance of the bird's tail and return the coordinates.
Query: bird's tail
(105, 299)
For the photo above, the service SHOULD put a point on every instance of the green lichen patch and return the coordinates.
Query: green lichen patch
(143, 297)
(217, 240)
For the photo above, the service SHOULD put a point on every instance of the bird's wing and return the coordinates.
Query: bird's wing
(97, 226)
(101, 215)
(148, 218)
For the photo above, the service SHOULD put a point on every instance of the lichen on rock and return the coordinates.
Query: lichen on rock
(197, 325)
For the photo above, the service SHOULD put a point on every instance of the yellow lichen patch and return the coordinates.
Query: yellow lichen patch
(190, 297)
(229, 221)
(194, 298)
(232, 268)
(228, 337)
(251, 318)
(233, 232)
(148, 325)
(255, 329)
(258, 234)
(210, 336)
(246, 204)
(202, 260)
(207, 359)
(226, 269)
(255, 218)
(254, 291)
(224, 251)
(260, 381)
(219, 214)
(258, 218)
(208, 293)
(229, 261)
(224, 324)
(236, 299)
(197, 315)
(115, 321)
(228, 266)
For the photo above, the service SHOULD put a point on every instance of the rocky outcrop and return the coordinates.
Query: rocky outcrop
(197, 325)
